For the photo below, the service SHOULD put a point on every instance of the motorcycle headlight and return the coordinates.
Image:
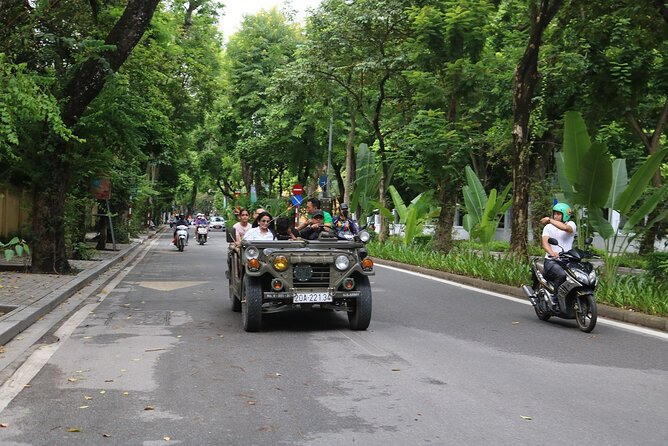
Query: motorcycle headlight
(342, 263)
(581, 277)
(252, 252)
(592, 277)
(364, 236)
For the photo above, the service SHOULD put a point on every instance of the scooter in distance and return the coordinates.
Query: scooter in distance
(181, 237)
(202, 234)
(576, 295)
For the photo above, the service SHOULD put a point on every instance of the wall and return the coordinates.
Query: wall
(15, 205)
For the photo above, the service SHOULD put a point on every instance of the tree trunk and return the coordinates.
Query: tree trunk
(350, 159)
(103, 228)
(447, 198)
(49, 253)
(526, 78)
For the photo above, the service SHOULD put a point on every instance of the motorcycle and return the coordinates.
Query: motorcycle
(181, 236)
(202, 234)
(576, 296)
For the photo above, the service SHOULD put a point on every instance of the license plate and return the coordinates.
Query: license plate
(301, 298)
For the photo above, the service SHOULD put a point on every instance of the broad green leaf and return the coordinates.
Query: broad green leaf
(566, 186)
(645, 209)
(599, 223)
(9, 254)
(398, 203)
(470, 204)
(576, 144)
(467, 223)
(382, 209)
(477, 199)
(594, 177)
(19, 250)
(14, 241)
(620, 180)
(639, 182)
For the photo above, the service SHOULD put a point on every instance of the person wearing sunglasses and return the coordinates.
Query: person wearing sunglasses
(264, 230)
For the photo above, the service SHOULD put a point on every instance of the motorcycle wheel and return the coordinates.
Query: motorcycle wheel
(180, 245)
(541, 309)
(585, 312)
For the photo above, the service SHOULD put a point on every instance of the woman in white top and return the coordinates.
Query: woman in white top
(263, 230)
(242, 226)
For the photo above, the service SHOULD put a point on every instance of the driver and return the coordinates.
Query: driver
(315, 227)
(561, 228)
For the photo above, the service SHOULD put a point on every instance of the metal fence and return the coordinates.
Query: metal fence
(15, 206)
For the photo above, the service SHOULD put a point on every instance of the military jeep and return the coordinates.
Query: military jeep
(331, 273)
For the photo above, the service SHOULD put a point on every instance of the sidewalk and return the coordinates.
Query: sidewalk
(24, 297)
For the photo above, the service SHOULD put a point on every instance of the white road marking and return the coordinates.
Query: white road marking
(601, 320)
(38, 359)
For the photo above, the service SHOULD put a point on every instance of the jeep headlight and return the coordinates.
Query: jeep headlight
(281, 263)
(364, 236)
(252, 252)
(342, 263)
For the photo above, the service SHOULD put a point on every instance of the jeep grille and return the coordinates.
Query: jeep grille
(319, 277)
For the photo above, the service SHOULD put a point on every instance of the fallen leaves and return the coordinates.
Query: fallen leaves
(526, 417)
(4, 425)
(149, 408)
(74, 429)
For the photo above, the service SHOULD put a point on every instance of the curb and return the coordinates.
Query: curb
(619, 314)
(17, 321)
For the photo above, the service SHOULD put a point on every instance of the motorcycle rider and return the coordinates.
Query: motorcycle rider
(343, 223)
(200, 221)
(561, 228)
(180, 220)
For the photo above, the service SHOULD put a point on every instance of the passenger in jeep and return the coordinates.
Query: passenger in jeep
(315, 227)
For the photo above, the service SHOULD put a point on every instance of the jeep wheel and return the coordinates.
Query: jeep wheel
(251, 306)
(235, 304)
(359, 316)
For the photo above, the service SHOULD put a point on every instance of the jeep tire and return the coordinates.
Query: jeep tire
(251, 305)
(359, 316)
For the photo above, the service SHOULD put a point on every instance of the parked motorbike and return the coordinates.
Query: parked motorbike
(576, 296)
(181, 237)
(202, 234)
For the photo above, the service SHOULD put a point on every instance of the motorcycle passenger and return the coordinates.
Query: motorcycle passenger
(561, 228)
(180, 220)
(343, 224)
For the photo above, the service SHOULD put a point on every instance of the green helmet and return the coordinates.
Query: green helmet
(564, 209)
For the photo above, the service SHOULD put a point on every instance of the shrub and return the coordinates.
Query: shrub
(657, 265)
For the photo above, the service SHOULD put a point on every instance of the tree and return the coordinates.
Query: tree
(82, 79)
(526, 79)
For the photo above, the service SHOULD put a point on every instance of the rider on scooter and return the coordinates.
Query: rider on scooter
(559, 227)
(180, 220)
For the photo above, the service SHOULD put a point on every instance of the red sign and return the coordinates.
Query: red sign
(100, 188)
(297, 189)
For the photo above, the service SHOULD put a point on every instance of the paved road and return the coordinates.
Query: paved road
(162, 360)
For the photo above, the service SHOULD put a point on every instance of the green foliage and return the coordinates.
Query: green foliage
(504, 270)
(657, 265)
(15, 247)
(483, 212)
(640, 293)
(82, 251)
(414, 215)
(591, 180)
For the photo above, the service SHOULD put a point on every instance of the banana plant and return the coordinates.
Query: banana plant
(367, 182)
(483, 212)
(414, 215)
(590, 179)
